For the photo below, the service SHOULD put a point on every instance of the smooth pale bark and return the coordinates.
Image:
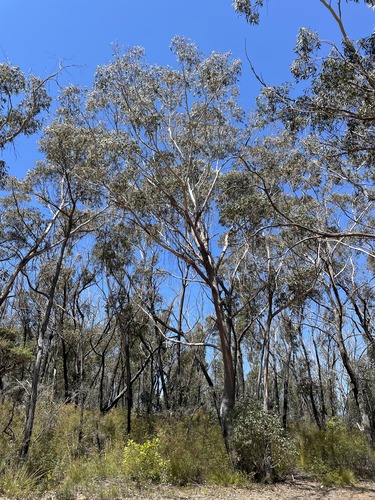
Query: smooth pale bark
(286, 390)
(321, 385)
(28, 429)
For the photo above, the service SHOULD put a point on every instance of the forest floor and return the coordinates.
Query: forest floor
(299, 489)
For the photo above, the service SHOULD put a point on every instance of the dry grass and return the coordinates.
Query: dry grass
(299, 489)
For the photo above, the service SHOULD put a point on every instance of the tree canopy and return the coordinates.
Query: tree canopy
(173, 251)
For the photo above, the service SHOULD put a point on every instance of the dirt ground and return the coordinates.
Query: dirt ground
(299, 489)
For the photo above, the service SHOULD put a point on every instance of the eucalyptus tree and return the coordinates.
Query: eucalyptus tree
(251, 9)
(25, 233)
(357, 282)
(315, 157)
(335, 263)
(282, 261)
(352, 297)
(330, 126)
(56, 185)
(74, 332)
(122, 355)
(12, 354)
(176, 131)
(49, 293)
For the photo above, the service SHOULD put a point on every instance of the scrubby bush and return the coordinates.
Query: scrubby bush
(259, 444)
(336, 454)
(195, 450)
(59, 438)
(113, 427)
(339, 477)
(144, 426)
(143, 462)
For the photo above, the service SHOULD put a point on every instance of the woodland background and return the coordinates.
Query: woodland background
(187, 286)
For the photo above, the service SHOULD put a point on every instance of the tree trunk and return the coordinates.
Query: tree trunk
(286, 391)
(229, 389)
(338, 313)
(321, 387)
(28, 429)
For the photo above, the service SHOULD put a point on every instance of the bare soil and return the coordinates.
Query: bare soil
(298, 489)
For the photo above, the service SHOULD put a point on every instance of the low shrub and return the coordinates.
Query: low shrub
(143, 462)
(195, 450)
(259, 443)
(113, 427)
(339, 477)
(336, 454)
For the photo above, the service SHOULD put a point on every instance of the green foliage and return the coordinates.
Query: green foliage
(87, 471)
(181, 450)
(11, 354)
(66, 448)
(259, 443)
(113, 427)
(337, 455)
(23, 99)
(195, 450)
(59, 437)
(143, 462)
(250, 9)
(143, 427)
(339, 477)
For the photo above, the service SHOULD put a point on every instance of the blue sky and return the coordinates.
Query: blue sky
(37, 35)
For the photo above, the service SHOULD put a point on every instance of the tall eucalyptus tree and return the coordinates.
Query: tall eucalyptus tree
(329, 126)
(176, 132)
(56, 185)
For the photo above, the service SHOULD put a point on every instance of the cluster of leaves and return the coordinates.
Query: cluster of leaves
(251, 8)
(22, 101)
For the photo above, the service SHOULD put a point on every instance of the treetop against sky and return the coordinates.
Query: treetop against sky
(81, 35)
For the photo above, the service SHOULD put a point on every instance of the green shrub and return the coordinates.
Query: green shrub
(336, 454)
(113, 427)
(144, 426)
(195, 450)
(54, 441)
(143, 462)
(339, 477)
(259, 444)
(11, 424)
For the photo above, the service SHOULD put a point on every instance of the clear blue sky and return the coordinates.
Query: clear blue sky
(36, 35)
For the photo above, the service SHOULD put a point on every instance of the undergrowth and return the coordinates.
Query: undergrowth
(72, 450)
(337, 455)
